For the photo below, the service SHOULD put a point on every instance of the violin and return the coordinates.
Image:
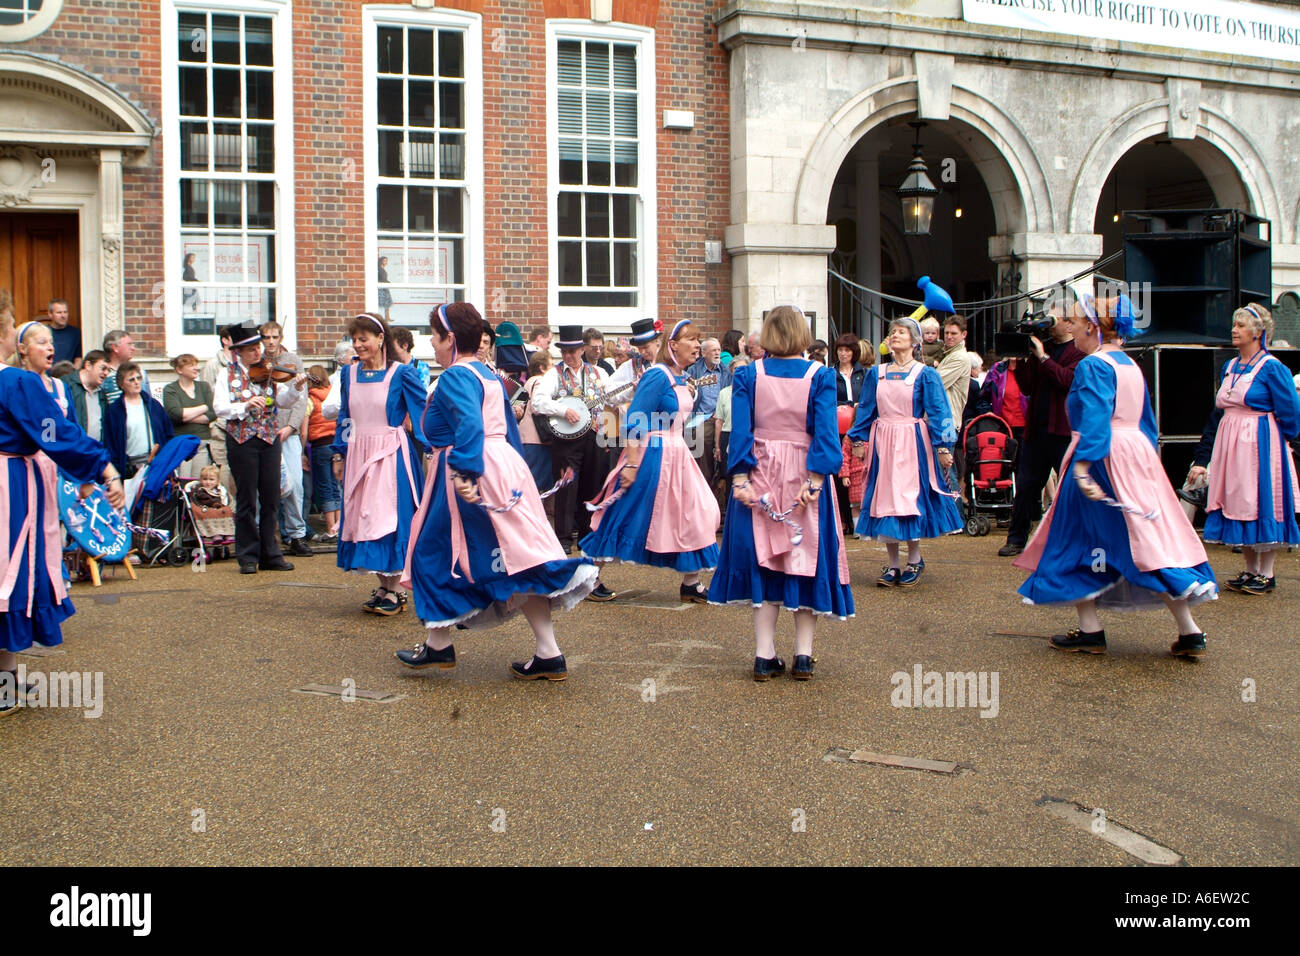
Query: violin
(265, 371)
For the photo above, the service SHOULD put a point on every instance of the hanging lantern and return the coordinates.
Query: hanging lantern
(917, 192)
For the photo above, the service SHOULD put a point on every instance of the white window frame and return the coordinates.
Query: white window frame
(34, 25)
(647, 181)
(373, 17)
(167, 293)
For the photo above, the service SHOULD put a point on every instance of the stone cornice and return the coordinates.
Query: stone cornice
(818, 26)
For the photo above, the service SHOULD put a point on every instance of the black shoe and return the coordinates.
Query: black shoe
(279, 564)
(803, 667)
(1236, 583)
(1010, 550)
(695, 593)
(376, 596)
(1082, 642)
(300, 547)
(911, 574)
(1191, 646)
(765, 668)
(540, 668)
(248, 569)
(425, 656)
(388, 605)
(601, 594)
(1258, 584)
(890, 578)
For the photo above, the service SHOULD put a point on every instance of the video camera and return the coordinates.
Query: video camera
(1015, 343)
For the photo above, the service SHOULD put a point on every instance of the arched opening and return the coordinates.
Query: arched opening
(871, 248)
(1162, 173)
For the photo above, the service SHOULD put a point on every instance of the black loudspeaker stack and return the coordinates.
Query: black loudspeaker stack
(1190, 269)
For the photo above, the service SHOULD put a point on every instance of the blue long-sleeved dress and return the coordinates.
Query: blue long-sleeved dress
(623, 529)
(1087, 552)
(30, 421)
(1273, 390)
(454, 421)
(406, 395)
(938, 514)
(739, 578)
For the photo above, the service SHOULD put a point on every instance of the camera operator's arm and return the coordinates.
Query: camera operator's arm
(1060, 372)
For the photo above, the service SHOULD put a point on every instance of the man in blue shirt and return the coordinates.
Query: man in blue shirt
(701, 429)
(67, 339)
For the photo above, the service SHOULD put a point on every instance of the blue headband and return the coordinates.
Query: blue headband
(367, 315)
(22, 329)
(441, 312)
(677, 328)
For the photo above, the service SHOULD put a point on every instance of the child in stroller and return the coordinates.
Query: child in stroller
(213, 517)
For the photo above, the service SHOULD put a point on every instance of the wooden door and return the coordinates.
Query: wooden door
(40, 261)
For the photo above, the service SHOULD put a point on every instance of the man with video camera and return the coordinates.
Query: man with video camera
(1045, 377)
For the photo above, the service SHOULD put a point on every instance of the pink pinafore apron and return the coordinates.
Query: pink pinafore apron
(1139, 480)
(781, 443)
(11, 552)
(370, 472)
(1236, 452)
(524, 536)
(685, 514)
(893, 447)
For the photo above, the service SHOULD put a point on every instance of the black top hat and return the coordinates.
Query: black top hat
(242, 334)
(645, 330)
(570, 337)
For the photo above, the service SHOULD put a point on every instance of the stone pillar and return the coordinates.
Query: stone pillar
(1047, 257)
(110, 219)
(777, 264)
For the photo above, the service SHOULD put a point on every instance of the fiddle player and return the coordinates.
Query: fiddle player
(246, 401)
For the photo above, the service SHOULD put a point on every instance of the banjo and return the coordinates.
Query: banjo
(559, 427)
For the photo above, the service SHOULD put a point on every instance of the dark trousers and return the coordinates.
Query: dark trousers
(255, 466)
(588, 462)
(1040, 452)
(703, 440)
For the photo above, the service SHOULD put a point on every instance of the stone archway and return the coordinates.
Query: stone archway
(1235, 170)
(65, 135)
(1002, 153)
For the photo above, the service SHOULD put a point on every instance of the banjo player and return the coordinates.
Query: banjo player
(574, 377)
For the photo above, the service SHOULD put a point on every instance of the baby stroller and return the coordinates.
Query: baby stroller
(990, 471)
(156, 497)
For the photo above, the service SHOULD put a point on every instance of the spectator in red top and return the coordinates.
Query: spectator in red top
(1045, 379)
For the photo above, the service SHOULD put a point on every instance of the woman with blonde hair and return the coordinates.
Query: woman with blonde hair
(782, 543)
(656, 508)
(189, 404)
(1252, 477)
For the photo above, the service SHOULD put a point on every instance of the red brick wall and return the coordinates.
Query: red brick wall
(118, 41)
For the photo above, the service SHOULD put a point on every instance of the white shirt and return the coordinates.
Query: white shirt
(544, 402)
(94, 421)
(227, 407)
(137, 430)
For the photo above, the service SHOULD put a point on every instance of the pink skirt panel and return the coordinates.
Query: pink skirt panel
(685, 515)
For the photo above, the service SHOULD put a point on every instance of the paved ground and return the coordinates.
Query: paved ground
(202, 731)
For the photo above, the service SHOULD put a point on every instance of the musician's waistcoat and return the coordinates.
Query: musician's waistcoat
(242, 389)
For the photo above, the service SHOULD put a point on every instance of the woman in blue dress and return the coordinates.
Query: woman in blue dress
(1115, 535)
(481, 548)
(665, 516)
(33, 599)
(785, 445)
(377, 461)
(1252, 495)
(905, 424)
